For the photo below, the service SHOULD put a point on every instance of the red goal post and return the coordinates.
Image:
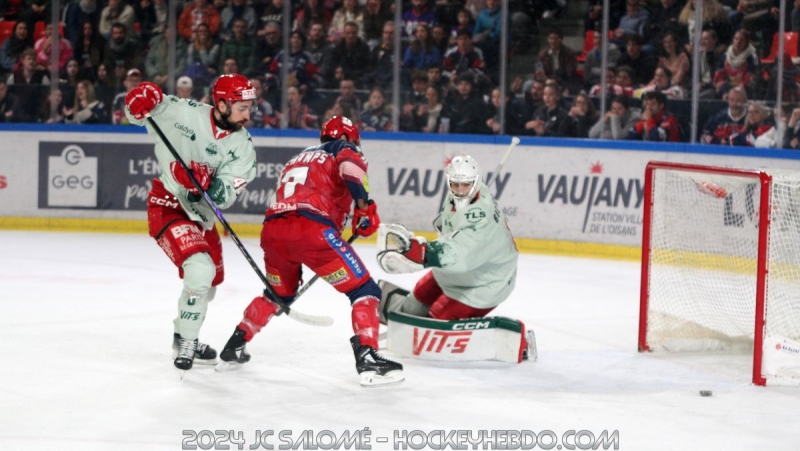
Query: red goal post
(721, 265)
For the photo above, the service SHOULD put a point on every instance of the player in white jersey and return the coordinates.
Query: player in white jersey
(212, 141)
(473, 261)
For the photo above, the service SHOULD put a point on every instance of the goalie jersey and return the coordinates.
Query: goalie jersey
(190, 128)
(474, 259)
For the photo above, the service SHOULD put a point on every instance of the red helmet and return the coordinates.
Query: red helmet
(232, 88)
(337, 126)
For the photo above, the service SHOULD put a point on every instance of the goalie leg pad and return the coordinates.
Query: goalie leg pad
(490, 338)
(446, 308)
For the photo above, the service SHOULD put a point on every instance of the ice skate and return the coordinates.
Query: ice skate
(234, 354)
(204, 354)
(185, 359)
(373, 368)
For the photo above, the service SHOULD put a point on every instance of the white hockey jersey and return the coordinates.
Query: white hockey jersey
(190, 128)
(474, 259)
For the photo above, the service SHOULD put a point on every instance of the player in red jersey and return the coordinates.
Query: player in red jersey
(302, 226)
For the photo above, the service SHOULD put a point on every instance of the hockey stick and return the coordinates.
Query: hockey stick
(514, 142)
(295, 315)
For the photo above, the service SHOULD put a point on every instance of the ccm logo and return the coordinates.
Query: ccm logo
(164, 202)
(3, 182)
(472, 326)
(440, 341)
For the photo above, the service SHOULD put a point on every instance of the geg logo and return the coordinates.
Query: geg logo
(73, 182)
(72, 177)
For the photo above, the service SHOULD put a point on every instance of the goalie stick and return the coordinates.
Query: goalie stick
(514, 142)
(283, 308)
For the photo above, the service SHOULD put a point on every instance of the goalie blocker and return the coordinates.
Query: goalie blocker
(474, 339)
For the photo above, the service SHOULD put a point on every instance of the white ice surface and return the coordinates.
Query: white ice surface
(86, 329)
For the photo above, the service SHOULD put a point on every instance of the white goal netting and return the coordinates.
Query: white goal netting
(703, 261)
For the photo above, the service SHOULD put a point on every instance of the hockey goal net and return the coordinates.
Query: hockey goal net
(721, 265)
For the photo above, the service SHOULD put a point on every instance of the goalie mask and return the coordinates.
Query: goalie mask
(463, 179)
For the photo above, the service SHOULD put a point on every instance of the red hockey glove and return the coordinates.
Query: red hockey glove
(366, 220)
(143, 98)
(416, 253)
(201, 172)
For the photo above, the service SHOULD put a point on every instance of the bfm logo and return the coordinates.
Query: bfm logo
(185, 229)
(441, 341)
(72, 178)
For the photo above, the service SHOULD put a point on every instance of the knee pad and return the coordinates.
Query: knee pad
(198, 273)
(368, 289)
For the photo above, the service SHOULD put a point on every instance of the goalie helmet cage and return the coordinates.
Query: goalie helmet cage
(721, 265)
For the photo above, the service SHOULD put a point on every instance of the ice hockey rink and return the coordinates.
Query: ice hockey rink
(86, 329)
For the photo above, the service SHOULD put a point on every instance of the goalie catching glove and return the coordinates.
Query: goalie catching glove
(399, 251)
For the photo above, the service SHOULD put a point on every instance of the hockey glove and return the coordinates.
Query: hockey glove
(143, 98)
(366, 220)
(399, 251)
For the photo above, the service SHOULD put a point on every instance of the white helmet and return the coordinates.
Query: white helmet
(464, 169)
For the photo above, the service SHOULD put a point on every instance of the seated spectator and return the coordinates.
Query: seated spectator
(350, 52)
(792, 137)
(157, 62)
(421, 53)
(486, 34)
(613, 88)
(737, 66)
(239, 10)
(583, 114)
(663, 19)
(342, 109)
(268, 45)
(428, 114)
(299, 115)
(152, 17)
(534, 99)
(618, 120)
(317, 45)
(10, 109)
(464, 21)
(656, 123)
(272, 11)
(714, 18)
(675, 59)
(377, 114)
(440, 38)
(643, 64)
(53, 109)
(592, 67)
(87, 110)
(184, 88)
(13, 47)
(263, 115)
(347, 93)
(710, 54)
(550, 119)
(759, 128)
(196, 13)
(376, 14)
(89, 47)
(229, 66)
(132, 79)
(662, 82)
(409, 122)
(350, 12)
(70, 76)
(102, 77)
(465, 109)
(514, 115)
(723, 124)
(465, 59)
(382, 60)
(633, 22)
(11, 11)
(202, 57)
(43, 48)
(302, 70)
(438, 81)
(309, 13)
(557, 60)
(27, 73)
(121, 53)
(420, 12)
(240, 46)
(117, 11)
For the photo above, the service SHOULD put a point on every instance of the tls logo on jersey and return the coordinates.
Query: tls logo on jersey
(336, 277)
(474, 215)
(440, 341)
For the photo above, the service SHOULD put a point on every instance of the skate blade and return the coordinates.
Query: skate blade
(181, 374)
(372, 379)
(228, 366)
(206, 362)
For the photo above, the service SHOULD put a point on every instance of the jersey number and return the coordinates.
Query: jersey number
(293, 177)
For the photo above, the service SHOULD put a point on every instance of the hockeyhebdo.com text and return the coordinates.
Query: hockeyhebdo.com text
(364, 439)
